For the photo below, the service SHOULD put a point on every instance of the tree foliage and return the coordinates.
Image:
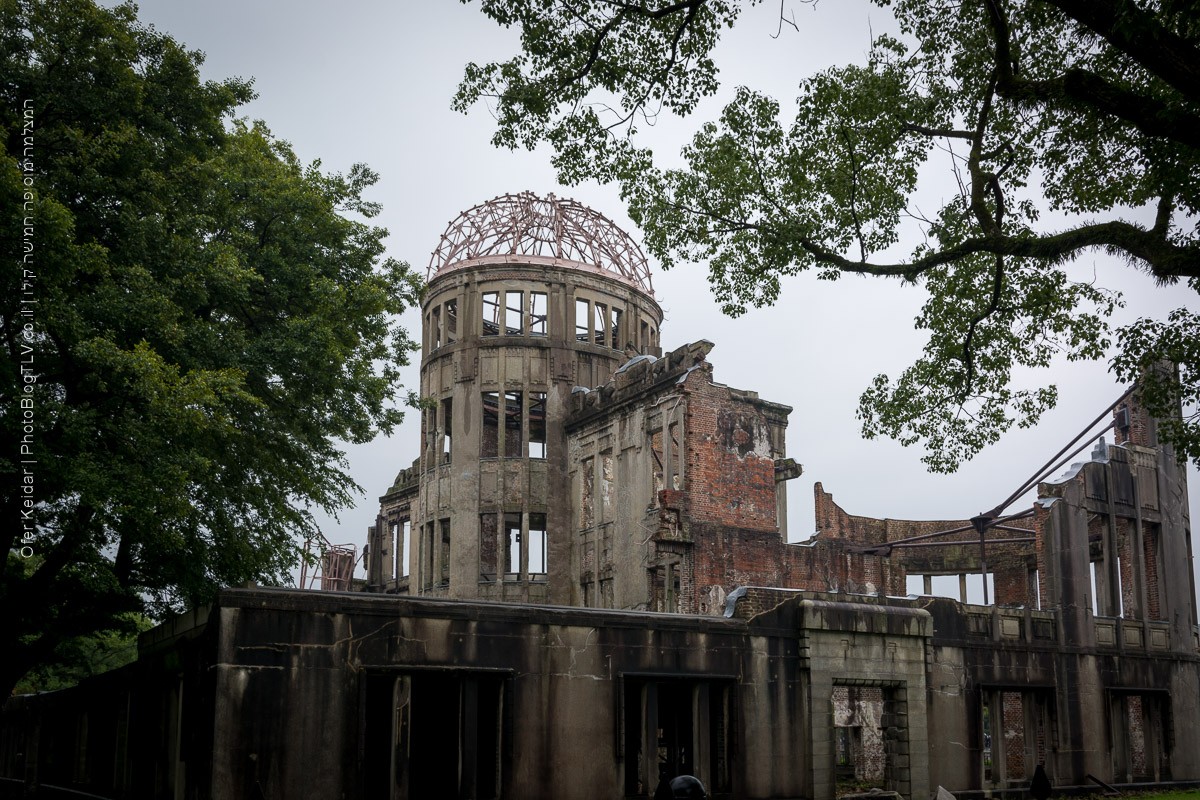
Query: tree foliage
(190, 318)
(1084, 112)
(85, 656)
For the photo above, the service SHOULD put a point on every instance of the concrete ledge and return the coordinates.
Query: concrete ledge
(830, 615)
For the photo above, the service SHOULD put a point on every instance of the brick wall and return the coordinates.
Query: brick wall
(861, 709)
(1013, 731)
(730, 465)
(1150, 548)
(1140, 429)
(1137, 737)
(729, 500)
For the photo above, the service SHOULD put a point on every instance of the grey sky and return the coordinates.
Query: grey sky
(372, 82)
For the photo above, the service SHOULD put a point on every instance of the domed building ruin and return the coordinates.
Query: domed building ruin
(583, 586)
(553, 426)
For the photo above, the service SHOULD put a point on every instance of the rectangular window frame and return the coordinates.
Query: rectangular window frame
(488, 554)
(537, 558)
(513, 554)
(599, 324)
(539, 314)
(514, 316)
(489, 434)
(583, 319)
(537, 425)
(402, 557)
(490, 313)
(514, 424)
(447, 415)
(450, 321)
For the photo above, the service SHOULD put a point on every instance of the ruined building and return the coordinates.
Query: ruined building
(564, 458)
(584, 583)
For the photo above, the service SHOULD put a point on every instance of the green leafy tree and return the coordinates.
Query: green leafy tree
(84, 656)
(1082, 111)
(190, 318)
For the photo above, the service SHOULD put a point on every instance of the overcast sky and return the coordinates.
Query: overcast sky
(372, 82)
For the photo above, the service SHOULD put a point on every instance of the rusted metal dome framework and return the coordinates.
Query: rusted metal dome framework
(526, 225)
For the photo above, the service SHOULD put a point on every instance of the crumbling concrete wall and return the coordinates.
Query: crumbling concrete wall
(467, 698)
(569, 727)
(677, 483)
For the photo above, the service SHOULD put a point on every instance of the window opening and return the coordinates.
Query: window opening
(491, 313)
(986, 716)
(393, 540)
(537, 424)
(537, 313)
(435, 325)
(675, 727)
(581, 320)
(1017, 731)
(451, 321)
(644, 339)
(598, 325)
(445, 551)
(615, 330)
(405, 545)
(665, 587)
(487, 547)
(429, 557)
(656, 468)
(447, 418)
(1101, 594)
(1142, 736)
(512, 545)
(933, 585)
(537, 544)
(859, 738)
(513, 412)
(434, 734)
(586, 506)
(489, 437)
(513, 317)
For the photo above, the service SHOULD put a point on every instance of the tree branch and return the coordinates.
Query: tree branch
(1166, 260)
(1138, 34)
(968, 358)
(641, 11)
(1078, 87)
(948, 133)
(979, 178)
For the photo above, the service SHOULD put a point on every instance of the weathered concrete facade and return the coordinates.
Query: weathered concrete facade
(282, 693)
(426, 698)
(583, 583)
(530, 483)
(696, 467)
(663, 491)
(509, 332)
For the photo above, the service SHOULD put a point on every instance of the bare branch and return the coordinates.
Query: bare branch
(783, 19)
